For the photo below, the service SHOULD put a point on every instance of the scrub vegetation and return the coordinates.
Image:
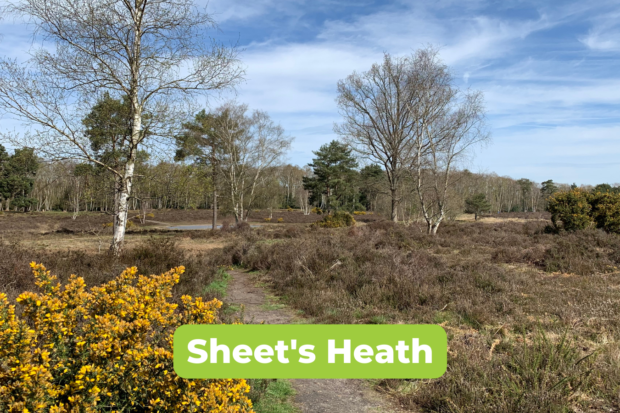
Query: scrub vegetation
(532, 314)
(532, 317)
(108, 348)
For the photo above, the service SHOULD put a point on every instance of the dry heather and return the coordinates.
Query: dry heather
(152, 256)
(533, 318)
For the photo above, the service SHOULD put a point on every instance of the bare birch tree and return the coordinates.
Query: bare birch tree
(377, 123)
(157, 53)
(249, 145)
(448, 123)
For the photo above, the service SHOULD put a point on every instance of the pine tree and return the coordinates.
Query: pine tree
(476, 204)
(199, 141)
(17, 174)
(334, 175)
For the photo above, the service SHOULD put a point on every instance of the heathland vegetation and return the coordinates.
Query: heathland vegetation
(385, 225)
(531, 313)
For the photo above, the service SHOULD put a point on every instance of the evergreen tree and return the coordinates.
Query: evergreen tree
(477, 204)
(108, 129)
(548, 188)
(334, 176)
(17, 173)
(604, 188)
(199, 141)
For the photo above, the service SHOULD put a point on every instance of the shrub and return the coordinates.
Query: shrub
(577, 209)
(150, 215)
(289, 209)
(336, 220)
(267, 219)
(225, 226)
(571, 210)
(359, 212)
(583, 253)
(151, 255)
(129, 224)
(385, 272)
(606, 211)
(546, 375)
(317, 210)
(280, 219)
(109, 348)
(242, 226)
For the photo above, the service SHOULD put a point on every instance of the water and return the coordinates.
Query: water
(198, 227)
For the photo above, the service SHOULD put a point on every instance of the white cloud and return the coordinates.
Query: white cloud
(604, 34)
(538, 99)
(296, 82)
(603, 40)
(244, 10)
(461, 39)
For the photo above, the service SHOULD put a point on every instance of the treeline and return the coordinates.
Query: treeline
(334, 180)
(71, 187)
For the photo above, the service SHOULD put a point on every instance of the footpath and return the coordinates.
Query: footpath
(313, 396)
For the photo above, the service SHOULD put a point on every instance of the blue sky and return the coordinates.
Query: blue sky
(550, 71)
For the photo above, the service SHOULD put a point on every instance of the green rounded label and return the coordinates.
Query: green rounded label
(310, 351)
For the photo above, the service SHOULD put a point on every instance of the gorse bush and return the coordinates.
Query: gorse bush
(106, 349)
(336, 220)
(571, 210)
(606, 211)
(577, 209)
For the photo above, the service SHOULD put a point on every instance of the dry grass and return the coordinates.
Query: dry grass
(522, 307)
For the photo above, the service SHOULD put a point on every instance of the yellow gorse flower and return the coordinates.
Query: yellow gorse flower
(105, 349)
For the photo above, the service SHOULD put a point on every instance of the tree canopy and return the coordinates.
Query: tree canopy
(334, 169)
(17, 177)
(477, 204)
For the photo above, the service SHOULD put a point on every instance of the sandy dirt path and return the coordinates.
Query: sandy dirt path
(313, 396)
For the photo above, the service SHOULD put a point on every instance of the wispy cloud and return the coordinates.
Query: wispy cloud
(605, 33)
(549, 70)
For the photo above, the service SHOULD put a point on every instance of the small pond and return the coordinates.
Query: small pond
(198, 227)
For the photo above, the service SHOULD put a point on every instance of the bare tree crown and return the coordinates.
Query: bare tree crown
(406, 114)
(156, 52)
